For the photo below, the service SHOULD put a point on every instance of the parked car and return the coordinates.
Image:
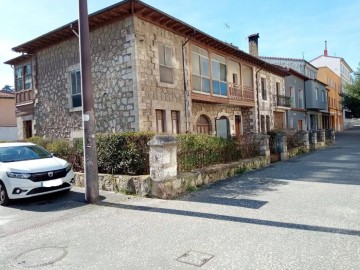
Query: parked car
(28, 170)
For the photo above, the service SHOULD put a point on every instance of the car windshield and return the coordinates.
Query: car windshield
(22, 153)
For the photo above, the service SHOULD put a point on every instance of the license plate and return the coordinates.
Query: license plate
(52, 183)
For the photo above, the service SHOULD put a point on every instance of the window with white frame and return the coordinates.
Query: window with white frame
(76, 88)
(218, 72)
(316, 93)
(200, 70)
(165, 63)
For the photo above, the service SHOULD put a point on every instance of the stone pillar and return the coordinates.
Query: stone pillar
(313, 139)
(281, 143)
(304, 137)
(264, 148)
(321, 137)
(332, 132)
(163, 158)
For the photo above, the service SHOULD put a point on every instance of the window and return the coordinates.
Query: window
(203, 125)
(160, 121)
(247, 76)
(317, 93)
(165, 64)
(218, 72)
(23, 77)
(200, 70)
(76, 89)
(267, 123)
(175, 121)
(262, 123)
(222, 127)
(277, 88)
(292, 96)
(300, 98)
(263, 89)
(323, 96)
(235, 79)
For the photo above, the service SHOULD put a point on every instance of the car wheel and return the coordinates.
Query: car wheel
(4, 199)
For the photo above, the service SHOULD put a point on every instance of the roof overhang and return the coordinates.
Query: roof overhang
(148, 13)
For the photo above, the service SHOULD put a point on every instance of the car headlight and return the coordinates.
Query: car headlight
(68, 168)
(18, 175)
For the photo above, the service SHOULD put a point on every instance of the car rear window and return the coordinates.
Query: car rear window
(22, 153)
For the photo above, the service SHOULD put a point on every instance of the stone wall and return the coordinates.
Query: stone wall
(113, 77)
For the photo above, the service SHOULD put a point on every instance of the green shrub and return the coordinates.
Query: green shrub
(60, 148)
(43, 142)
(124, 153)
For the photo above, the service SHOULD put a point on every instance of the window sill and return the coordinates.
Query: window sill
(76, 109)
(200, 92)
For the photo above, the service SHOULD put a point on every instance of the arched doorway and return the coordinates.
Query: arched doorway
(203, 125)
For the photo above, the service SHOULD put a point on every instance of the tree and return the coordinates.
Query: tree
(352, 95)
(7, 88)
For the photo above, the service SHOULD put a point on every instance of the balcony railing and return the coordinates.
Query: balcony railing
(240, 92)
(24, 96)
(282, 101)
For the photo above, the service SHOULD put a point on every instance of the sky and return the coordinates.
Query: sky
(295, 29)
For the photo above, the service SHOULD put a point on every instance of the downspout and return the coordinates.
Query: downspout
(185, 89)
(258, 98)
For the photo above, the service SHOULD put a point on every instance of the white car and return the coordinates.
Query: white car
(27, 170)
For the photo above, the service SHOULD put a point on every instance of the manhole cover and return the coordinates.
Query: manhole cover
(40, 257)
(195, 258)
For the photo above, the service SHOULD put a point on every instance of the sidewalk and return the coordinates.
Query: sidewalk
(299, 214)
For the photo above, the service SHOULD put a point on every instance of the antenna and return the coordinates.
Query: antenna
(227, 25)
(303, 55)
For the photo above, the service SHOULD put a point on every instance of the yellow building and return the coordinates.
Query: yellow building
(333, 82)
(8, 128)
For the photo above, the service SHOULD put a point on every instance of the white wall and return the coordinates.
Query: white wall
(8, 133)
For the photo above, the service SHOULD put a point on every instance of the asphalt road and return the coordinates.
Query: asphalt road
(299, 214)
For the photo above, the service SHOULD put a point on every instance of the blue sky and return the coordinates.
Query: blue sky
(286, 28)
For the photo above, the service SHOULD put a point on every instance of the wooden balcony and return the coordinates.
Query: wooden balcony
(24, 102)
(236, 95)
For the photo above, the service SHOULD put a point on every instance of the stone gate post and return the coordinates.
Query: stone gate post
(162, 157)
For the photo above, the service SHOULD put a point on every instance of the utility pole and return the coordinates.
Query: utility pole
(88, 112)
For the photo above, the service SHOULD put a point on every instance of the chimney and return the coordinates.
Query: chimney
(325, 51)
(253, 45)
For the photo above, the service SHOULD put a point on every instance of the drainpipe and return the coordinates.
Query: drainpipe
(185, 89)
(258, 98)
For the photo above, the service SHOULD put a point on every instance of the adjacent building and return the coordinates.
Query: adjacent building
(339, 66)
(333, 82)
(150, 72)
(8, 128)
(315, 94)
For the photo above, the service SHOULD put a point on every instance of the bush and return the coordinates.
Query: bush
(124, 153)
(199, 150)
(43, 142)
(60, 148)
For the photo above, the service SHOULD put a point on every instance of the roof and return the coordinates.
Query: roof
(293, 72)
(340, 58)
(289, 59)
(148, 13)
(18, 59)
(5, 94)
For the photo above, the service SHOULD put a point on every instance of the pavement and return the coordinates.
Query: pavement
(299, 214)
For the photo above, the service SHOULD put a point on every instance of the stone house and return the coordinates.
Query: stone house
(316, 96)
(150, 72)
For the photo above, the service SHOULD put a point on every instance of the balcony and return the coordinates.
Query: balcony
(282, 101)
(236, 95)
(24, 102)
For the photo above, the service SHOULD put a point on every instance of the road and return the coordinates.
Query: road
(299, 214)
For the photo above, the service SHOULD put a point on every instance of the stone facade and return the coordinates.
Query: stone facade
(113, 78)
(216, 111)
(266, 107)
